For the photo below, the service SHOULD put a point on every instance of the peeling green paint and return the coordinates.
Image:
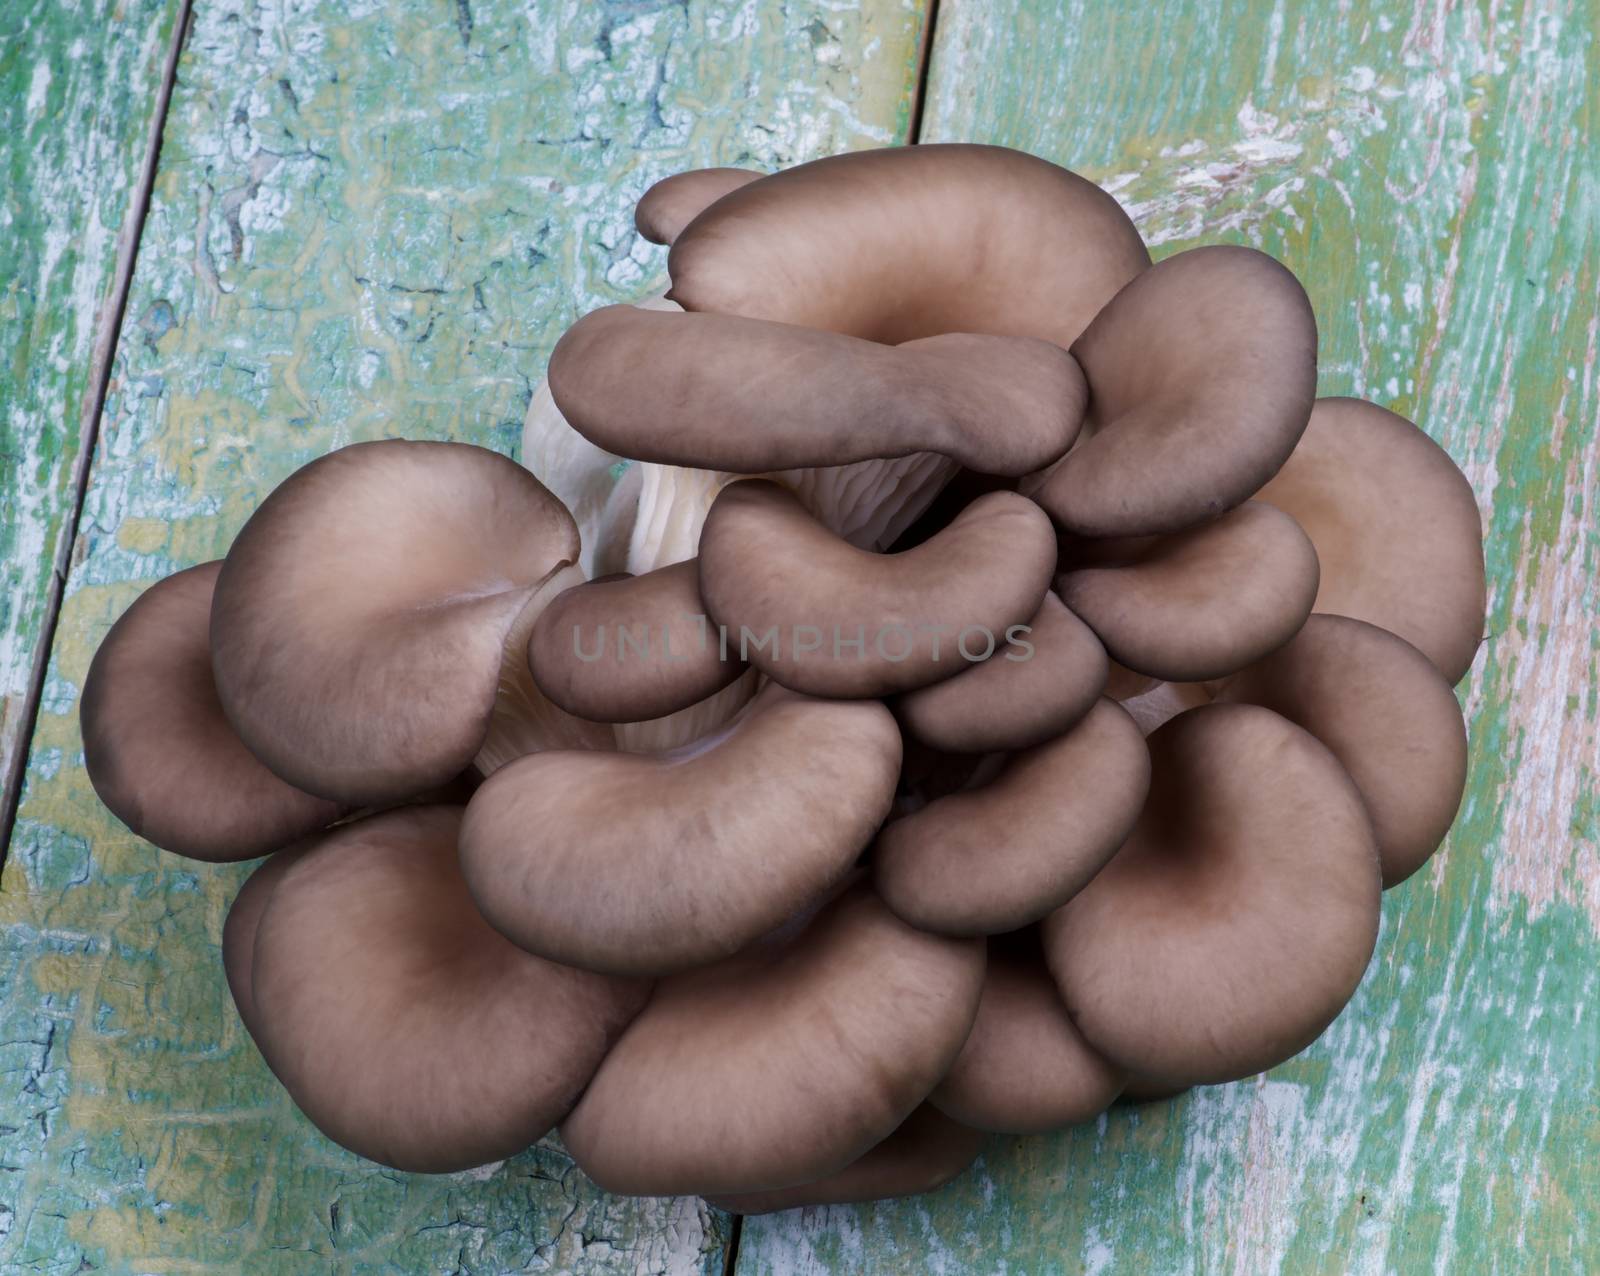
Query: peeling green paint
(79, 86)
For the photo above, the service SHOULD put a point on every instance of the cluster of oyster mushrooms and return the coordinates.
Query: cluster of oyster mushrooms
(996, 687)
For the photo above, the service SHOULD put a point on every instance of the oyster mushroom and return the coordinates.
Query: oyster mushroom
(781, 1065)
(1395, 525)
(637, 864)
(630, 649)
(1005, 243)
(401, 1023)
(1387, 714)
(651, 515)
(158, 748)
(239, 934)
(1237, 919)
(672, 203)
(822, 617)
(997, 857)
(1025, 1068)
(748, 396)
(369, 626)
(1202, 371)
(1044, 680)
(1198, 604)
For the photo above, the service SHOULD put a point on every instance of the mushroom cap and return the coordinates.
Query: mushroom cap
(1387, 714)
(630, 649)
(996, 858)
(642, 864)
(1030, 692)
(160, 752)
(925, 1152)
(1202, 373)
(721, 392)
(400, 1022)
(1396, 526)
(781, 1065)
(1237, 919)
(239, 933)
(1196, 604)
(370, 674)
(880, 244)
(672, 203)
(768, 568)
(1025, 1067)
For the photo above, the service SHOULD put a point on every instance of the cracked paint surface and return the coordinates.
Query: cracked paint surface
(78, 92)
(1428, 170)
(369, 220)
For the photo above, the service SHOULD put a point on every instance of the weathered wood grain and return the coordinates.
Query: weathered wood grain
(369, 219)
(1430, 171)
(80, 86)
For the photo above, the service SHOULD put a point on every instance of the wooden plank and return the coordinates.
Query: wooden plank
(369, 220)
(1429, 170)
(80, 88)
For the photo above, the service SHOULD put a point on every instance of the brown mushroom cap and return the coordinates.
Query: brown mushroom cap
(1001, 856)
(1396, 526)
(630, 649)
(880, 244)
(371, 673)
(1387, 714)
(925, 1152)
(643, 864)
(1025, 1068)
(1030, 691)
(1238, 918)
(157, 747)
(239, 933)
(781, 1065)
(1201, 373)
(673, 202)
(1197, 604)
(720, 392)
(401, 1023)
(768, 568)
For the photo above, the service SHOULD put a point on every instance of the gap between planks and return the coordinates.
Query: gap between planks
(105, 349)
(730, 1258)
(919, 92)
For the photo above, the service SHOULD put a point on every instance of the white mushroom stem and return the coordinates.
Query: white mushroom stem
(868, 504)
(524, 721)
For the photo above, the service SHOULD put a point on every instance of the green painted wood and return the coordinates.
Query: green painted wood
(80, 85)
(369, 219)
(1430, 171)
